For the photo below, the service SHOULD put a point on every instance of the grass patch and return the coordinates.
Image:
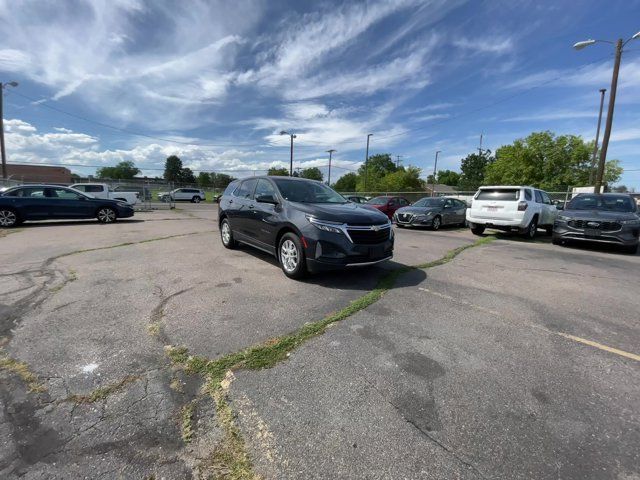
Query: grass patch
(154, 329)
(22, 370)
(186, 416)
(101, 393)
(6, 232)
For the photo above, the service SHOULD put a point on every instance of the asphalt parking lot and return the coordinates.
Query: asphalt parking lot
(512, 360)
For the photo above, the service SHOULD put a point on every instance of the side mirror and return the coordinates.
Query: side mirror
(559, 206)
(266, 199)
(82, 198)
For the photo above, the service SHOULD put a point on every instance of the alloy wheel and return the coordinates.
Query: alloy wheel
(226, 233)
(7, 218)
(289, 256)
(435, 224)
(106, 215)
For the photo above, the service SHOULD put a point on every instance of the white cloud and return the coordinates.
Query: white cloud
(497, 45)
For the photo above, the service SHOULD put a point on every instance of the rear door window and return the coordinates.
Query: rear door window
(246, 189)
(499, 194)
(538, 196)
(527, 194)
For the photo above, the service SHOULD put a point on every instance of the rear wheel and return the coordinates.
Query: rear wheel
(226, 235)
(477, 229)
(291, 256)
(436, 223)
(532, 229)
(106, 215)
(8, 218)
(195, 199)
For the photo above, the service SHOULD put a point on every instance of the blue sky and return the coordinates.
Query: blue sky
(219, 80)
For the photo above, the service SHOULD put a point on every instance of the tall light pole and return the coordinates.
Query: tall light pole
(612, 100)
(435, 169)
(292, 135)
(595, 147)
(398, 157)
(366, 162)
(330, 152)
(3, 152)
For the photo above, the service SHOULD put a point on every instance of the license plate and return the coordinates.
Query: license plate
(492, 209)
(376, 252)
(591, 232)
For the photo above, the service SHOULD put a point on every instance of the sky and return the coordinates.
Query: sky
(215, 82)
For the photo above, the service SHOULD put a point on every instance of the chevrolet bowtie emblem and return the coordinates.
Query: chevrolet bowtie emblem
(593, 224)
(375, 228)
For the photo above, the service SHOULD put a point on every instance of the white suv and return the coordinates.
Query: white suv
(520, 209)
(191, 194)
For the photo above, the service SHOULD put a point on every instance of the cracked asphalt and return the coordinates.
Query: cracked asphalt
(474, 369)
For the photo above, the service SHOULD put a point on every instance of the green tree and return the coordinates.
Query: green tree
(548, 161)
(346, 183)
(187, 176)
(123, 170)
(402, 180)
(278, 172)
(448, 177)
(221, 180)
(473, 168)
(312, 173)
(172, 169)
(204, 179)
(377, 167)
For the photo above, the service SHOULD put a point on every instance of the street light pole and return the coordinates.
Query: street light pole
(292, 136)
(3, 152)
(435, 169)
(366, 162)
(612, 101)
(595, 147)
(330, 152)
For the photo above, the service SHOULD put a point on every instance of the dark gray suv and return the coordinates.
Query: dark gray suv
(605, 218)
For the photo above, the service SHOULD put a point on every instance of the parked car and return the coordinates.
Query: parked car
(432, 212)
(193, 195)
(388, 205)
(103, 190)
(305, 224)
(52, 202)
(605, 218)
(356, 199)
(511, 209)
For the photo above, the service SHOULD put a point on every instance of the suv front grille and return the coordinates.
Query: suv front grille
(596, 225)
(364, 236)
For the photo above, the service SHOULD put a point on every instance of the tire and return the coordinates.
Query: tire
(8, 218)
(532, 229)
(226, 235)
(106, 215)
(195, 199)
(291, 256)
(477, 229)
(436, 223)
(549, 229)
(556, 240)
(632, 250)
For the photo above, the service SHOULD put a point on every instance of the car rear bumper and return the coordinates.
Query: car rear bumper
(499, 223)
(627, 236)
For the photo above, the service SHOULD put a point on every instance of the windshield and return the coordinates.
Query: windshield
(429, 202)
(307, 192)
(378, 201)
(609, 203)
(502, 194)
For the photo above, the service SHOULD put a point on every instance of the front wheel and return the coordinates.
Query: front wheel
(477, 230)
(632, 249)
(435, 223)
(106, 215)
(227, 235)
(291, 256)
(8, 218)
(195, 199)
(549, 229)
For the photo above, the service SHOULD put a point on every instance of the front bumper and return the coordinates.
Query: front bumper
(334, 251)
(626, 236)
(413, 220)
(125, 212)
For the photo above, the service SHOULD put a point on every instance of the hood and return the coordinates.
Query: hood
(351, 213)
(598, 215)
(418, 210)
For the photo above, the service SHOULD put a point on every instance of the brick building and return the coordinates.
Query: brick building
(38, 173)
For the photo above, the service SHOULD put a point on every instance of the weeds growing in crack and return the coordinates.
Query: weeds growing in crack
(22, 370)
(101, 393)
(186, 415)
(230, 459)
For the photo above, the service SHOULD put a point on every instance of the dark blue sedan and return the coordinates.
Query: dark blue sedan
(52, 202)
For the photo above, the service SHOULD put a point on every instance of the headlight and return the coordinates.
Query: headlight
(325, 226)
(634, 222)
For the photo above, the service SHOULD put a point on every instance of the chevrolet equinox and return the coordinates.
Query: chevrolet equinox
(305, 224)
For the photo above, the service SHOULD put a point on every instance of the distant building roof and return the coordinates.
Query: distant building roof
(38, 173)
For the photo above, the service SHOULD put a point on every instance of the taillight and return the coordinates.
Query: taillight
(522, 206)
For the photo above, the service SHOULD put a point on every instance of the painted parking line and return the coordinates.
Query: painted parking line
(583, 341)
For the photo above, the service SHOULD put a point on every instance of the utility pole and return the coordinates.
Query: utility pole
(609, 124)
(366, 162)
(595, 147)
(3, 152)
(435, 169)
(292, 136)
(480, 147)
(330, 152)
(398, 157)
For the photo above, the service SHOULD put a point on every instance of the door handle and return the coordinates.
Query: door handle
(252, 207)
(230, 201)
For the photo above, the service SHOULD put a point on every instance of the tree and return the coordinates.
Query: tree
(278, 172)
(221, 180)
(204, 179)
(473, 168)
(448, 177)
(378, 166)
(123, 170)
(346, 183)
(402, 180)
(312, 173)
(187, 176)
(548, 161)
(172, 169)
